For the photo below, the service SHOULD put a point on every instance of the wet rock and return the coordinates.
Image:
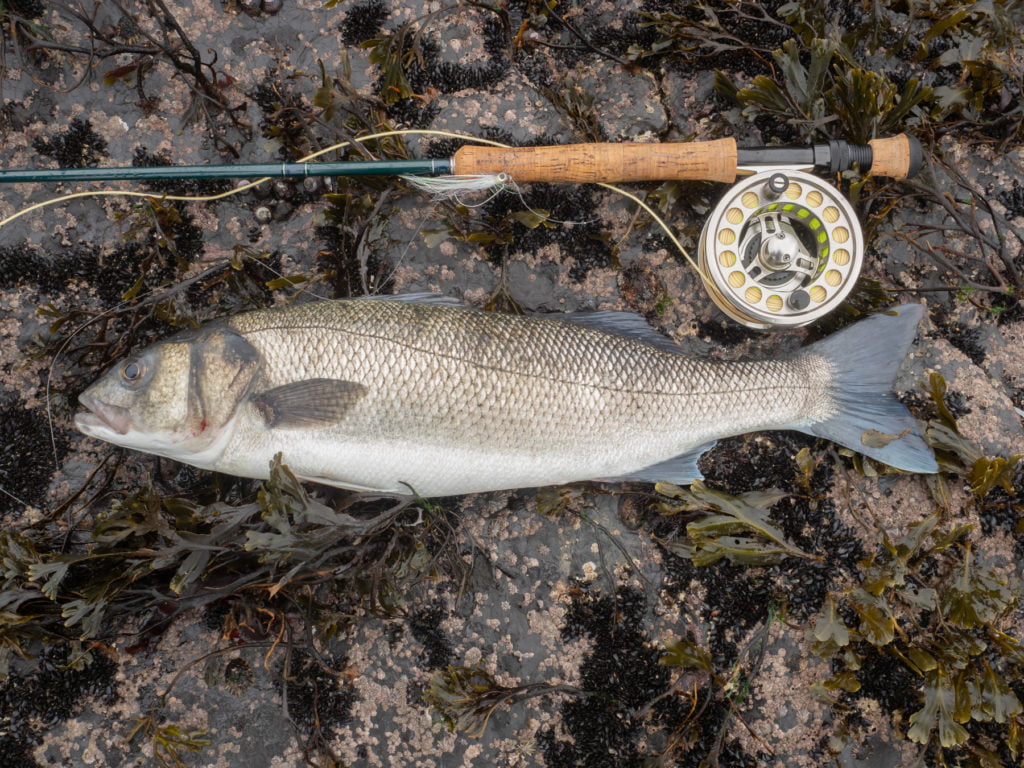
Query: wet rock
(627, 105)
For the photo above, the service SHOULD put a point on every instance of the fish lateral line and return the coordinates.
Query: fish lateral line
(556, 380)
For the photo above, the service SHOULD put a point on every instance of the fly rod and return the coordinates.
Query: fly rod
(717, 160)
(782, 248)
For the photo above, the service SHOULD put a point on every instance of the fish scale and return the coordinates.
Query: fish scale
(535, 387)
(401, 395)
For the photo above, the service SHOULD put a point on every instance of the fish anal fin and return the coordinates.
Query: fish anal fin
(308, 404)
(681, 469)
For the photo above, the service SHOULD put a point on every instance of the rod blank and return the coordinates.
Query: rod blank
(430, 167)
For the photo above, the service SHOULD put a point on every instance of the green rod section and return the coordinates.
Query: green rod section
(430, 167)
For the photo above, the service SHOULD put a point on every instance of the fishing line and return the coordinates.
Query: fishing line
(176, 198)
(780, 249)
(438, 187)
(449, 188)
(405, 251)
(658, 220)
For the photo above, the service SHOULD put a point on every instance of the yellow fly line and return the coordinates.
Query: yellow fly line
(341, 145)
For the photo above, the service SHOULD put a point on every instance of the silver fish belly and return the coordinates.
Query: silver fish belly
(403, 397)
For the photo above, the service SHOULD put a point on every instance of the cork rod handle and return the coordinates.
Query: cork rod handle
(898, 157)
(608, 162)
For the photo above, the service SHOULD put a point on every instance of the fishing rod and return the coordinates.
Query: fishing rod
(782, 248)
(717, 160)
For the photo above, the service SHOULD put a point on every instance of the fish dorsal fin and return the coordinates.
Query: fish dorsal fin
(681, 469)
(623, 324)
(417, 298)
(610, 321)
(308, 404)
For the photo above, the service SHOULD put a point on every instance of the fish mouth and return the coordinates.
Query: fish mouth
(102, 415)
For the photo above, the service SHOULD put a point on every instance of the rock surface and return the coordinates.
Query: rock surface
(575, 608)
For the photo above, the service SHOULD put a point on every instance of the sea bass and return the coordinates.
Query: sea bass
(417, 396)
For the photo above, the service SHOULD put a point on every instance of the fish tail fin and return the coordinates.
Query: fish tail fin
(869, 419)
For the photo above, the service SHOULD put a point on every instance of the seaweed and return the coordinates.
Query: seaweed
(959, 455)
(938, 63)
(467, 697)
(545, 214)
(926, 613)
(709, 34)
(349, 265)
(965, 235)
(355, 239)
(926, 603)
(815, 83)
(576, 105)
(168, 742)
(167, 241)
(261, 562)
(148, 557)
(286, 117)
(137, 47)
(393, 53)
(733, 527)
(740, 598)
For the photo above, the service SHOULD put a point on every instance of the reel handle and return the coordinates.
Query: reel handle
(610, 162)
(716, 160)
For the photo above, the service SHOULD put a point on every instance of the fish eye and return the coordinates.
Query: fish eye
(131, 372)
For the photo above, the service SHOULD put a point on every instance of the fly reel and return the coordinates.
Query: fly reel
(781, 249)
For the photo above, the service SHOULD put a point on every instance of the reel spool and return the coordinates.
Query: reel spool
(781, 249)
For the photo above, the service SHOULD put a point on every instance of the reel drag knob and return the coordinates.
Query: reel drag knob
(780, 250)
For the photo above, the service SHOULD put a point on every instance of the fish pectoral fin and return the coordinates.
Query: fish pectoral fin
(681, 469)
(308, 404)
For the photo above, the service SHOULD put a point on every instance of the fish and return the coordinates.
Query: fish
(424, 396)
